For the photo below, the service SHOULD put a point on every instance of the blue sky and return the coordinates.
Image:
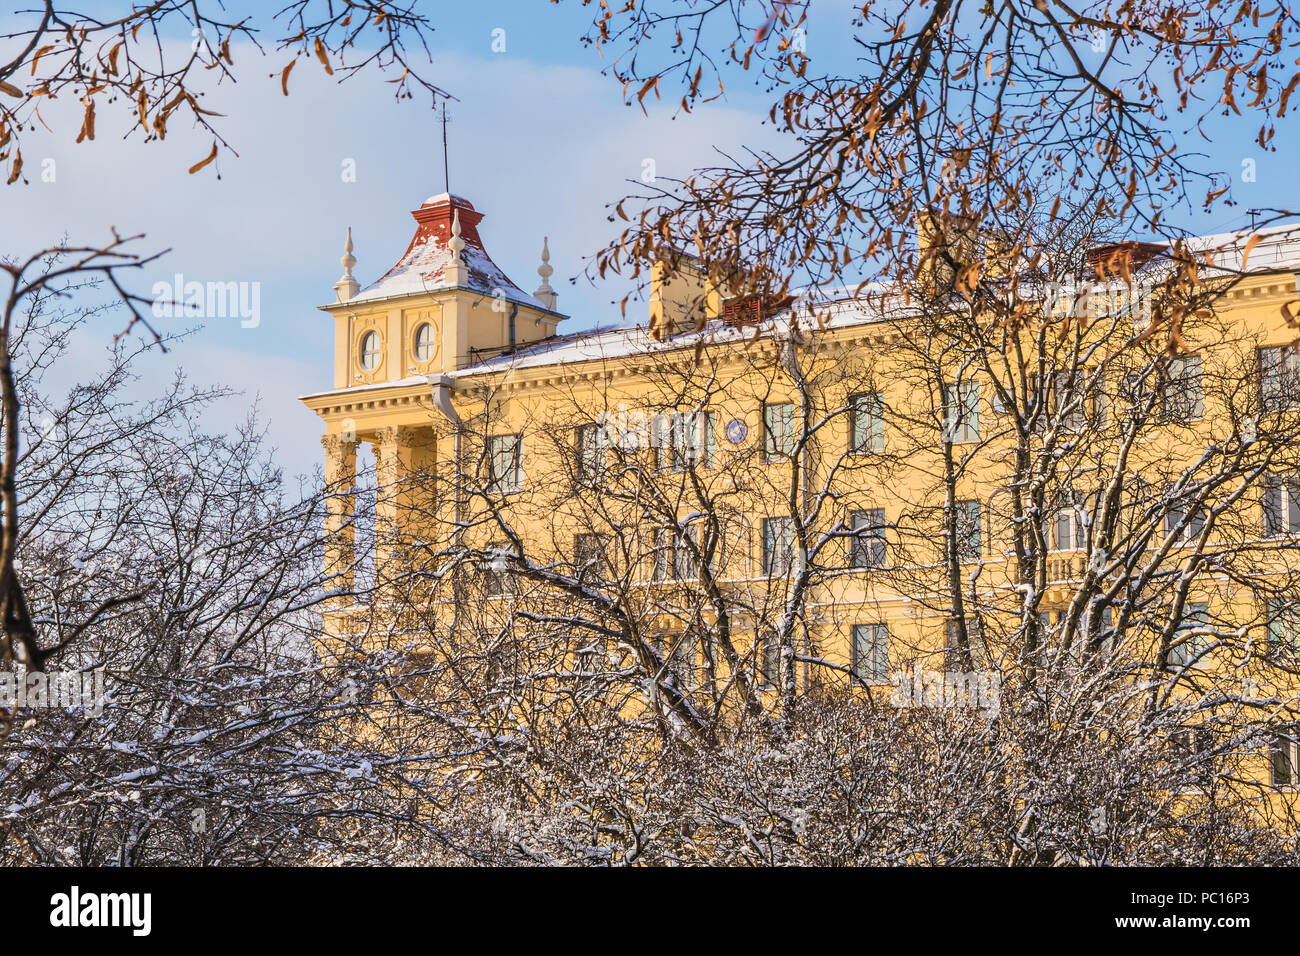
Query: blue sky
(540, 143)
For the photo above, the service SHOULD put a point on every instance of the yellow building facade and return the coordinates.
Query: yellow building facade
(848, 494)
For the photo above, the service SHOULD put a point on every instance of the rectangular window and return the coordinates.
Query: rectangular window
(1194, 746)
(685, 660)
(682, 440)
(662, 554)
(701, 449)
(967, 527)
(1284, 756)
(589, 555)
(590, 451)
(961, 412)
(778, 546)
(870, 653)
(496, 577)
(769, 657)
(588, 657)
(1182, 527)
(1100, 630)
(684, 566)
(673, 556)
(1136, 393)
(1100, 400)
(1184, 396)
(867, 546)
(866, 423)
(1281, 505)
(1279, 377)
(505, 463)
(952, 656)
(1070, 527)
(778, 431)
(1070, 403)
(1283, 627)
(1187, 646)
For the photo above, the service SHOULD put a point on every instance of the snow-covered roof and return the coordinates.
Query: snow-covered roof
(615, 343)
(1277, 248)
(610, 343)
(422, 268)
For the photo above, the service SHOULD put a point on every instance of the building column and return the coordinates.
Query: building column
(340, 506)
(394, 451)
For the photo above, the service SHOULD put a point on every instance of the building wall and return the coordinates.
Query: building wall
(732, 381)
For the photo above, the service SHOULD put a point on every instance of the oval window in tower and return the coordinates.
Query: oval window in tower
(424, 342)
(370, 351)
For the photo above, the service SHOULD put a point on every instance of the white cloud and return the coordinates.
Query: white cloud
(540, 149)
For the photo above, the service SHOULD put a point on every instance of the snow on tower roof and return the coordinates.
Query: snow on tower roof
(423, 266)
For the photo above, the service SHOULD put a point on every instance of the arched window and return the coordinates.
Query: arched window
(370, 351)
(424, 342)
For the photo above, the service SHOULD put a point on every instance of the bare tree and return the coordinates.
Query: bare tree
(134, 61)
(185, 569)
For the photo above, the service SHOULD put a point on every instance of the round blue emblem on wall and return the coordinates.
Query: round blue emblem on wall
(736, 431)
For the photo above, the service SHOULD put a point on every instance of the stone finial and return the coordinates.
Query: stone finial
(455, 271)
(457, 244)
(347, 286)
(545, 294)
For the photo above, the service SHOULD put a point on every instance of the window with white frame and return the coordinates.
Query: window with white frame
(590, 447)
(588, 656)
(961, 412)
(685, 659)
(1184, 395)
(370, 352)
(505, 462)
(778, 546)
(778, 431)
(589, 556)
(1070, 524)
(953, 659)
(1279, 377)
(870, 653)
(867, 546)
(967, 525)
(768, 657)
(496, 574)
(1099, 629)
(1192, 637)
(1284, 759)
(1194, 748)
(424, 342)
(1070, 399)
(1283, 618)
(674, 559)
(683, 439)
(1281, 505)
(1079, 398)
(1184, 519)
(1137, 393)
(866, 423)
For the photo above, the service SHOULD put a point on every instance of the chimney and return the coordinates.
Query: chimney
(681, 296)
(943, 236)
